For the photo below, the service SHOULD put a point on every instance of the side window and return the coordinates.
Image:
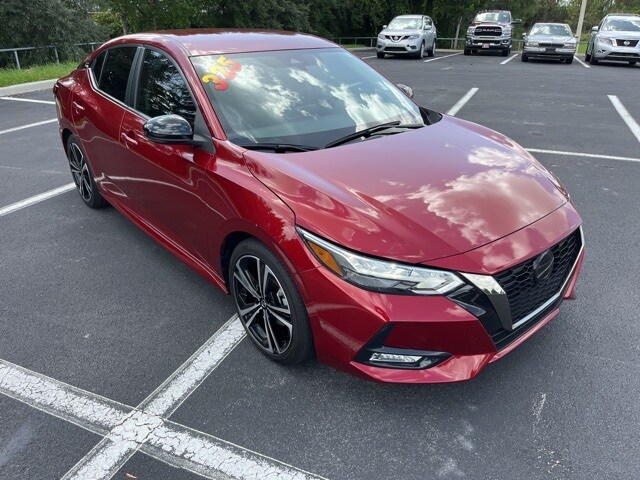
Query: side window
(96, 66)
(115, 71)
(162, 90)
(427, 21)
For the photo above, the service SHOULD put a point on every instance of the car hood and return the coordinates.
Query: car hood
(551, 38)
(416, 196)
(400, 33)
(620, 35)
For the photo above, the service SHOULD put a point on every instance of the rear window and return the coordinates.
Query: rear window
(115, 71)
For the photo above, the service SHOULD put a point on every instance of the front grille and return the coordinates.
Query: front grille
(488, 31)
(552, 45)
(623, 55)
(396, 38)
(395, 49)
(524, 292)
(620, 42)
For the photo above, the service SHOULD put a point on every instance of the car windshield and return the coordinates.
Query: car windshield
(622, 25)
(497, 17)
(305, 97)
(406, 23)
(557, 30)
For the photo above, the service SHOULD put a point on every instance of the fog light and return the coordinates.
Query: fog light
(394, 358)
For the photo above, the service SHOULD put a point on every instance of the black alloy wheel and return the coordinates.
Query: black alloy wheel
(269, 304)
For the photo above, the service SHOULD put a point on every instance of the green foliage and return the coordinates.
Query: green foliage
(13, 76)
(38, 23)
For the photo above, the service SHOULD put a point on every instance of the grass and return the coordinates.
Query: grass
(13, 76)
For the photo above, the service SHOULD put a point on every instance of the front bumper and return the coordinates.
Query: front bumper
(549, 53)
(401, 47)
(488, 43)
(346, 320)
(603, 51)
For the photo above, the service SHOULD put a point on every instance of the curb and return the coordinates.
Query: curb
(27, 87)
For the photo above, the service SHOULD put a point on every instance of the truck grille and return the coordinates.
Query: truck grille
(620, 42)
(488, 31)
(524, 292)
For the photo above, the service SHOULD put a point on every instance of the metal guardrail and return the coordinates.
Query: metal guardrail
(55, 51)
(443, 43)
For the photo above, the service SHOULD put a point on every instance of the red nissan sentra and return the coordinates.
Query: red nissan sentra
(392, 241)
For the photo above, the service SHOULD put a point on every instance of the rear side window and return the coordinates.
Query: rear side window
(96, 66)
(115, 71)
(162, 90)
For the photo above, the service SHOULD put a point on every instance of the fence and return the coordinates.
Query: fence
(48, 49)
(442, 43)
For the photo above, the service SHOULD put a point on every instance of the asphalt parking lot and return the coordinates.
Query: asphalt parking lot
(116, 358)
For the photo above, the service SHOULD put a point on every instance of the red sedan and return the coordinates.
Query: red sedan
(391, 241)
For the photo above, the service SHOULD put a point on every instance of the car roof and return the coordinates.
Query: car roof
(410, 15)
(220, 40)
(551, 23)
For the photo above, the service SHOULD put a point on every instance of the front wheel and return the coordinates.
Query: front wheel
(569, 60)
(633, 62)
(269, 304)
(82, 176)
(592, 58)
(524, 58)
(505, 53)
(380, 54)
(420, 53)
(467, 51)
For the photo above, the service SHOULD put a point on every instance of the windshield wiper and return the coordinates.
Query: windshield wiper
(279, 147)
(367, 132)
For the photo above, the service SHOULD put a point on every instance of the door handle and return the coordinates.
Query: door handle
(77, 106)
(129, 138)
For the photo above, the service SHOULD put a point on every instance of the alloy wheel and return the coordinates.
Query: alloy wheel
(262, 304)
(80, 172)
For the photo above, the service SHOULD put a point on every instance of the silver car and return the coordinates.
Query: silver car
(616, 38)
(413, 35)
(551, 41)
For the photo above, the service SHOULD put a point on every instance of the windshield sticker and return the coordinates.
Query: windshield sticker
(221, 72)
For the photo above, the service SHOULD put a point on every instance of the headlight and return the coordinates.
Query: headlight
(380, 275)
(381, 36)
(531, 44)
(470, 31)
(605, 40)
(569, 45)
(413, 37)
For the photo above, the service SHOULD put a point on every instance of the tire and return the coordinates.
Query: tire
(466, 51)
(633, 62)
(82, 175)
(592, 59)
(524, 58)
(505, 53)
(569, 60)
(587, 55)
(380, 54)
(283, 337)
(432, 51)
(420, 54)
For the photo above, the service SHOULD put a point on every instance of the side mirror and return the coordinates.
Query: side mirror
(408, 91)
(517, 21)
(168, 129)
(384, 26)
(594, 29)
(524, 35)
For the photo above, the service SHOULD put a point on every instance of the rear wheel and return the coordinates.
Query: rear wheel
(380, 54)
(432, 51)
(269, 304)
(82, 176)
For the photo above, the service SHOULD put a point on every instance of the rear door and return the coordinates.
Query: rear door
(167, 182)
(98, 107)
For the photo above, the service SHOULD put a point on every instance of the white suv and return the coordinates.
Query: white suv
(616, 38)
(413, 35)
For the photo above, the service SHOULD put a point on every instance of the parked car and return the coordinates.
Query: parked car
(490, 31)
(617, 38)
(394, 242)
(549, 41)
(413, 35)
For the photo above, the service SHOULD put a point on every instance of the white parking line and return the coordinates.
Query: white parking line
(440, 58)
(114, 450)
(21, 127)
(460, 103)
(581, 62)
(626, 116)
(371, 56)
(48, 102)
(36, 199)
(172, 443)
(509, 59)
(582, 154)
